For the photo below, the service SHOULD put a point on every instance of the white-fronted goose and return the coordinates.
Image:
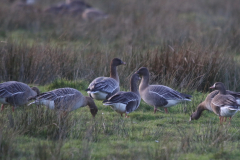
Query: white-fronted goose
(16, 93)
(223, 104)
(126, 102)
(65, 99)
(102, 88)
(206, 104)
(159, 95)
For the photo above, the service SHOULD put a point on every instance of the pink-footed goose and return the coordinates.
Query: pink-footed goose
(159, 95)
(65, 99)
(206, 104)
(223, 104)
(16, 93)
(102, 88)
(126, 102)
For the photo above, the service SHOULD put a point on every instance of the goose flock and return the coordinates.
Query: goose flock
(222, 102)
(70, 8)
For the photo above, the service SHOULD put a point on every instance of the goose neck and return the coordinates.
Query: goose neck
(113, 73)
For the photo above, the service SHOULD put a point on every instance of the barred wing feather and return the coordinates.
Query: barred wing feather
(166, 92)
(105, 84)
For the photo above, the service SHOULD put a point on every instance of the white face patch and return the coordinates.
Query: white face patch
(214, 85)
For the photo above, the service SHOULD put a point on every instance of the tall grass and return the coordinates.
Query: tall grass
(191, 68)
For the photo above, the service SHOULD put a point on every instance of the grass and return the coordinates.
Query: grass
(38, 133)
(187, 45)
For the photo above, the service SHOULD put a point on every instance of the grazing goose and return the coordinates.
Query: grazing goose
(223, 104)
(125, 102)
(72, 7)
(16, 93)
(102, 88)
(65, 99)
(159, 95)
(206, 104)
(93, 14)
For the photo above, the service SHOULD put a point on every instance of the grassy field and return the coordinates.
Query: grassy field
(186, 44)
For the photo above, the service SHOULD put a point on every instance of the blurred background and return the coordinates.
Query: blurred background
(186, 44)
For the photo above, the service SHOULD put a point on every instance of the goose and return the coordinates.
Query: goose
(206, 104)
(16, 93)
(223, 104)
(102, 88)
(93, 14)
(159, 95)
(126, 102)
(73, 7)
(65, 99)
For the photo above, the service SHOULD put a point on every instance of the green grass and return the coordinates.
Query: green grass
(38, 133)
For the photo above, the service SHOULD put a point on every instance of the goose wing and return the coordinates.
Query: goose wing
(224, 100)
(62, 97)
(104, 84)
(167, 93)
(12, 88)
(131, 100)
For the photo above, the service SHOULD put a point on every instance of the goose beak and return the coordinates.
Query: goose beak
(212, 87)
(124, 63)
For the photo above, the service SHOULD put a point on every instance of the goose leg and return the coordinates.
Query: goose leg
(155, 110)
(230, 118)
(13, 108)
(225, 119)
(126, 115)
(2, 107)
(166, 111)
(121, 114)
(220, 119)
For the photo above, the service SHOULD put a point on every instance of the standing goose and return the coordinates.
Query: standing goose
(223, 104)
(125, 102)
(102, 88)
(159, 95)
(16, 93)
(206, 104)
(65, 99)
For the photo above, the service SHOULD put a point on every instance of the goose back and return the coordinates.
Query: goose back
(15, 93)
(66, 99)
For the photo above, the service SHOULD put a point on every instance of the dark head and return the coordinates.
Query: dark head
(219, 86)
(92, 106)
(36, 90)
(143, 71)
(197, 114)
(117, 62)
(135, 78)
(194, 116)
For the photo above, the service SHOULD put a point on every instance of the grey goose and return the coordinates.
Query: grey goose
(206, 104)
(16, 93)
(102, 88)
(65, 99)
(159, 95)
(126, 102)
(223, 104)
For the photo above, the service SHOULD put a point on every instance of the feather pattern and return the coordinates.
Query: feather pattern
(104, 84)
(167, 93)
(63, 98)
(15, 93)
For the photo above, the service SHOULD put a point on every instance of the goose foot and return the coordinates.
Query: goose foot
(126, 115)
